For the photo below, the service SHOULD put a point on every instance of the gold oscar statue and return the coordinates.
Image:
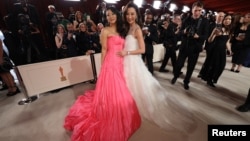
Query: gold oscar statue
(63, 78)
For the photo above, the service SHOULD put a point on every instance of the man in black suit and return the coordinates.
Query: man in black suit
(194, 33)
(150, 37)
(30, 11)
(101, 13)
(169, 40)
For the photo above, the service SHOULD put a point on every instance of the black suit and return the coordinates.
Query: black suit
(149, 49)
(31, 12)
(191, 47)
(101, 16)
(169, 40)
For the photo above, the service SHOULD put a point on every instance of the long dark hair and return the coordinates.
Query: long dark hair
(228, 28)
(119, 23)
(138, 20)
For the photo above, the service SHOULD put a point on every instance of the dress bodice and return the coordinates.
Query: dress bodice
(222, 38)
(131, 43)
(220, 41)
(115, 43)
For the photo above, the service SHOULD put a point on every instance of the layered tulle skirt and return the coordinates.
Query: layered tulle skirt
(107, 113)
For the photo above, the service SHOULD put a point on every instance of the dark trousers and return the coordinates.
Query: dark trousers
(192, 60)
(149, 60)
(247, 102)
(170, 53)
(216, 66)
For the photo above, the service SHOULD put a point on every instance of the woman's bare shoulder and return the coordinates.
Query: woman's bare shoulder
(138, 31)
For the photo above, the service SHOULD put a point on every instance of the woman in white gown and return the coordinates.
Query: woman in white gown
(152, 100)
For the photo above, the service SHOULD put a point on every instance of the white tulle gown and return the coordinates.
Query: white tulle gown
(152, 100)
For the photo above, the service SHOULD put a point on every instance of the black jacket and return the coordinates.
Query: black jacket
(149, 39)
(191, 25)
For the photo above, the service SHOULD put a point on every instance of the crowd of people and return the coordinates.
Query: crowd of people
(126, 84)
(135, 47)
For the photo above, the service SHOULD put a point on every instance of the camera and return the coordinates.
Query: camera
(26, 29)
(24, 23)
(190, 30)
(145, 28)
(219, 27)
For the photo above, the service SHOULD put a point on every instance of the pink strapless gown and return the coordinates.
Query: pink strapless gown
(109, 112)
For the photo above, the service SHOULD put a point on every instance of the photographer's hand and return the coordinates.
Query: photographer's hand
(20, 31)
(90, 21)
(145, 31)
(70, 35)
(185, 31)
(196, 36)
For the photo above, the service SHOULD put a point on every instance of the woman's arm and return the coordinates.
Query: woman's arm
(141, 43)
(75, 23)
(103, 41)
(228, 46)
(58, 40)
(139, 36)
(93, 25)
(35, 29)
(212, 36)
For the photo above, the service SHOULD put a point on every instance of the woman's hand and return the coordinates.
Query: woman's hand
(122, 53)
(217, 32)
(60, 36)
(240, 37)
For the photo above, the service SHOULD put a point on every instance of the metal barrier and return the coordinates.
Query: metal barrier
(42, 77)
(46, 76)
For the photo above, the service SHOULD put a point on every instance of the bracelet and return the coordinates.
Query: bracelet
(128, 52)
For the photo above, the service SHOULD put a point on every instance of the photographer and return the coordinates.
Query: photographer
(29, 34)
(150, 34)
(87, 43)
(70, 41)
(100, 13)
(194, 33)
(92, 28)
(168, 38)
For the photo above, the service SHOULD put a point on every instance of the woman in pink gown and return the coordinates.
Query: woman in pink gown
(109, 112)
